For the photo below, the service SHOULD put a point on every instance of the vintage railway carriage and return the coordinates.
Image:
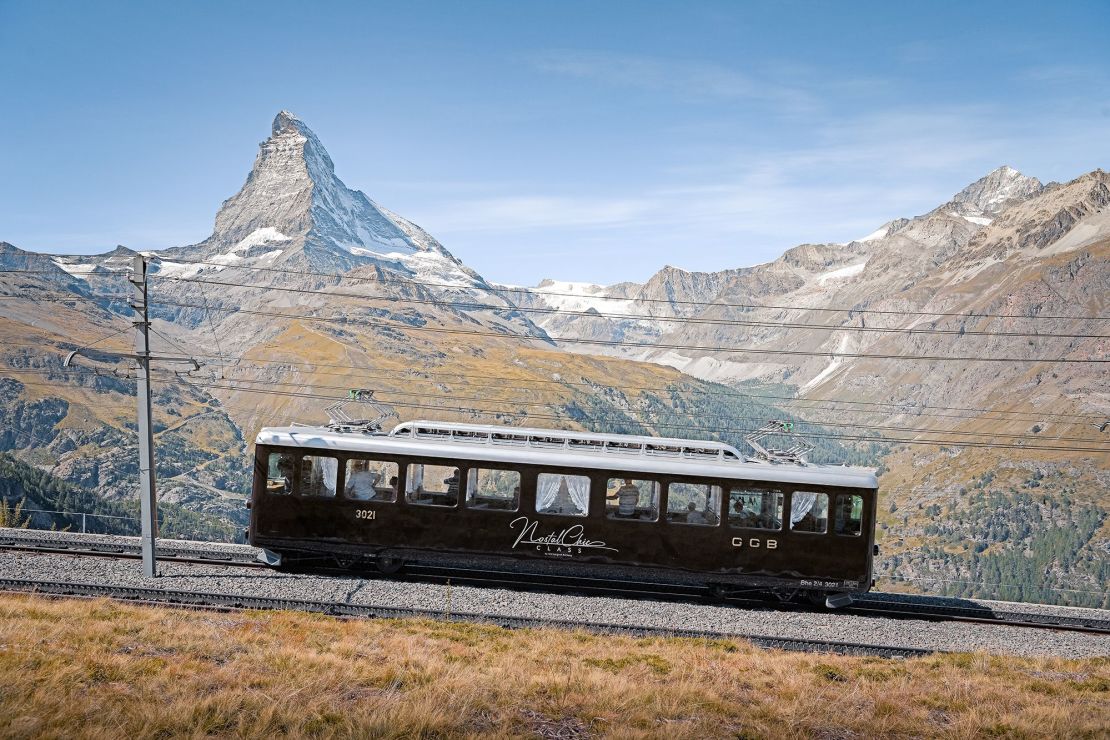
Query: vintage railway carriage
(555, 502)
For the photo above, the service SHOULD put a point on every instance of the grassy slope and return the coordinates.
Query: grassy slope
(100, 669)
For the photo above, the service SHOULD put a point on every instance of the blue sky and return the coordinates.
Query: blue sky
(578, 140)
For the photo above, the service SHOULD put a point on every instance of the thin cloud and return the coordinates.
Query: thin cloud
(686, 78)
(743, 205)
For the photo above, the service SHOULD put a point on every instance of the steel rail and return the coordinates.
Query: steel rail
(195, 599)
(127, 551)
(863, 606)
(866, 605)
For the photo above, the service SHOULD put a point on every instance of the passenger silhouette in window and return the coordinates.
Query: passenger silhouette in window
(360, 481)
(627, 496)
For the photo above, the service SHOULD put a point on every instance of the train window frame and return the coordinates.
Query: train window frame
(819, 494)
(656, 496)
(564, 475)
(409, 491)
(289, 484)
(302, 487)
(837, 528)
(375, 499)
(747, 489)
(714, 489)
(472, 474)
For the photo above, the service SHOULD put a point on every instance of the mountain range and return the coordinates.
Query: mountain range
(307, 288)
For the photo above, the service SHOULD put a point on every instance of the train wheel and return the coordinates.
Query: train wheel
(346, 561)
(717, 592)
(390, 563)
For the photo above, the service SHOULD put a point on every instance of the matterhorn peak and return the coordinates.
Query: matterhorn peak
(991, 193)
(286, 122)
(293, 197)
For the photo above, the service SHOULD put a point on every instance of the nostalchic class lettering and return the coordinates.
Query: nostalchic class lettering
(567, 542)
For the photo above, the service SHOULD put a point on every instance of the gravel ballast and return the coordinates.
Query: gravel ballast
(556, 607)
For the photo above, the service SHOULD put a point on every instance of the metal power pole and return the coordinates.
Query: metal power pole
(148, 502)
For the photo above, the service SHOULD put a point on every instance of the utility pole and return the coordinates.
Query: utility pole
(148, 499)
(148, 503)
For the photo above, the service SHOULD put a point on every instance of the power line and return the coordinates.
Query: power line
(468, 305)
(529, 291)
(635, 414)
(845, 425)
(690, 380)
(643, 345)
(657, 425)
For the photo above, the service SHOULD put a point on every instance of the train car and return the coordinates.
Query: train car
(544, 501)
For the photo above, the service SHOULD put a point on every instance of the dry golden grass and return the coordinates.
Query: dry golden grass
(103, 669)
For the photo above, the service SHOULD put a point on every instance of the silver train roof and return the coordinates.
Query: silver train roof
(560, 448)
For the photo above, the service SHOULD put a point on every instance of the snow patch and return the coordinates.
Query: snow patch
(841, 273)
(441, 270)
(875, 235)
(170, 269)
(258, 237)
(77, 270)
(977, 220)
(564, 295)
(841, 347)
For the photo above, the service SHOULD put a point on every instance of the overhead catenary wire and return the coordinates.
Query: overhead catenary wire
(510, 289)
(466, 305)
(642, 345)
(518, 290)
(658, 425)
(636, 414)
(362, 371)
(916, 430)
(474, 305)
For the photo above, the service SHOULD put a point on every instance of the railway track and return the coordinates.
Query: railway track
(228, 602)
(96, 548)
(868, 605)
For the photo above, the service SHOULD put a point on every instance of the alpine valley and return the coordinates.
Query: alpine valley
(991, 472)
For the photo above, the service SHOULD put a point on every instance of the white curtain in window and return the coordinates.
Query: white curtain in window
(579, 487)
(547, 489)
(326, 468)
(800, 504)
(416, 478)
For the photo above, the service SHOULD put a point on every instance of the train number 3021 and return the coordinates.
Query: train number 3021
(366, 514)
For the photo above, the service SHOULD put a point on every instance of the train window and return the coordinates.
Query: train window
(493, 489)
(371, 480)
(809, 512)
(849, 514)
(694, 503)
(500, 438)
(755, 508)
(632, 498)
(585, 444)
(318, 475)
(432, 485)
(567, 495)
(279, 473)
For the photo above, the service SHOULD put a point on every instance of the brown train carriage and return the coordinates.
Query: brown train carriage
(570, 503)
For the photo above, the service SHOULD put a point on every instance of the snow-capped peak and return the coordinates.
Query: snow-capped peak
(293, 208)
(989, 194)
